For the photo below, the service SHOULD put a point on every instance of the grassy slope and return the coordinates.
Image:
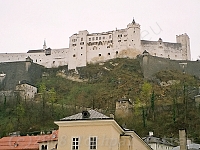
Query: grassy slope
(107, 83)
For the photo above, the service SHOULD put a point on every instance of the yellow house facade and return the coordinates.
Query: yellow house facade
(91, 130)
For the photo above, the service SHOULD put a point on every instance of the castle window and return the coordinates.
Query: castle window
(99, 55)
(96, 38)
(116, 52)
(89, 39)
(81, 39)
(108, 53)
(74, 55)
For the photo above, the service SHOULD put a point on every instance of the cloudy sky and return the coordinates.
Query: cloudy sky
(24, 24)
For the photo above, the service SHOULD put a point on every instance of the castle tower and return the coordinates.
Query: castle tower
(124, 108)
(44, 46)
(133, 36)
(185, 42)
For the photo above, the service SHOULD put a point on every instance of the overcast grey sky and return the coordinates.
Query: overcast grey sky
(24, 24)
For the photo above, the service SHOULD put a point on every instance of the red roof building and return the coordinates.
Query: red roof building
(26, 142)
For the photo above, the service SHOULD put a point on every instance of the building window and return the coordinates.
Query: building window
(119, 40)
(81, 39)
(96, 38)
(109, 36)
(82, 43)
(175, 55)
(75, 143)
(116, 52)
(108, 53)
(99, 55)
(92, 38)
(81, 47)
(99, 38)
(103, 37)
(81, 54)
(93, 142)
(154, 54)
(89, 39)
(74, 55)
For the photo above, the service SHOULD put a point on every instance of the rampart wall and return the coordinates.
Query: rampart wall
(152, 64)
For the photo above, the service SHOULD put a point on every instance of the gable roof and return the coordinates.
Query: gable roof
(93, 115)
(26, 142)
(152, 139)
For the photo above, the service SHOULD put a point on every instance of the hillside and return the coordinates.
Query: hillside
(162, 109)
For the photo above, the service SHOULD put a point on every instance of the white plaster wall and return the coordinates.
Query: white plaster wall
(163, 49)
(157, 146)
(11, 57)
(26, 91)
(99, 47)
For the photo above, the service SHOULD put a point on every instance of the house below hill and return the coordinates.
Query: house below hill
(92, 130)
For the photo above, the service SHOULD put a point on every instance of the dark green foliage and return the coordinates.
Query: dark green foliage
(162, 110)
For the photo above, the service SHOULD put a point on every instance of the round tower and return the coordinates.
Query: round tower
(133, 33)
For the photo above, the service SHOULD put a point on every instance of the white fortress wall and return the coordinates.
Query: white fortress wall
(99, 47)
(12, 57)
(163, 49)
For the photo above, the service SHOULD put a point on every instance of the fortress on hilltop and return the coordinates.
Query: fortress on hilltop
(99, 47)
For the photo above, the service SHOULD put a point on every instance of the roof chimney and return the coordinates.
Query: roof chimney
(150, 133)
(182, 139)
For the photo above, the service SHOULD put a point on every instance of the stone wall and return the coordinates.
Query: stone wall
(18, 71)
(152, 64)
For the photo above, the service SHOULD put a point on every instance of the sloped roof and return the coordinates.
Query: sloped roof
(151, 139)
(26, 142)
(93, 115)
(36, 51)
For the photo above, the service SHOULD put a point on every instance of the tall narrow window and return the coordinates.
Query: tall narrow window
(93, 142)
(75, 143)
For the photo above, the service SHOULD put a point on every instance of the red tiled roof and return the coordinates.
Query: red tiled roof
(26, 142)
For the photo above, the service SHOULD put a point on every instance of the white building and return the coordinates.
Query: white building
(26, 91)
(99, 47)
(158, 143)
